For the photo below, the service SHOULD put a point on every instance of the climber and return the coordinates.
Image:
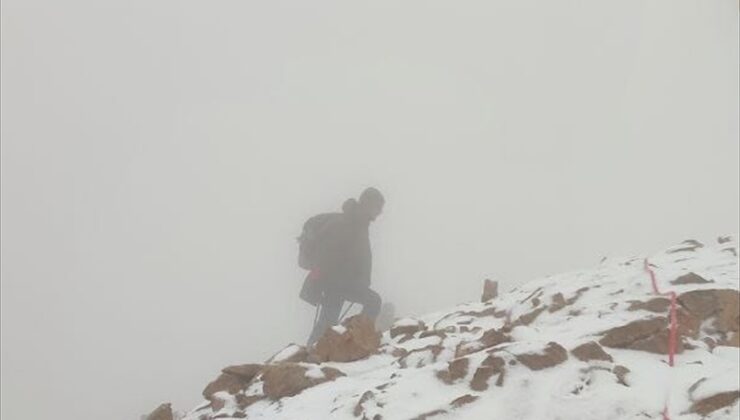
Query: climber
(335, 248)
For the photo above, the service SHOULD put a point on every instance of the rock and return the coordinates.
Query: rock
(490, 366)
(723, 305)
(657, 305)
(463, 400)
(732, 341)
(529, 317)
(490, 338)
(724, 239)
(163, 412)
(244, 401)
(456, 370)
(490, 290)
(621, 373)
(553, 355)
(288, 379)
(358, 410)
(557, 302)
(245, 372)
(690, 278)
(587, 352)
(688, 245)
(430, 414)
(225, 382)
(421, 356)
(714, 403)
(649, 335)
(407, 329)
(357, 340)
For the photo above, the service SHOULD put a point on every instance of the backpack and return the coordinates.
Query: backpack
(309, 243)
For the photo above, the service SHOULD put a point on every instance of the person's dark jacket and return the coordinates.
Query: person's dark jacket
(345, 258)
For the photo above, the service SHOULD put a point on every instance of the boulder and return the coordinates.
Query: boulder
(649, 335)
(407, 329)
(722, 305)
(690, 278)
(456, 370)
(552, 355)
(163, 412)
(715, 402)
(288, 379)
(225, 382)
(490, 366)
(587, 352)
(356, 339)
(245, 372)
(490, 338)
(657, 305)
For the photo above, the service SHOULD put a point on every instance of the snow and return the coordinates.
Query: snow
(572, 390)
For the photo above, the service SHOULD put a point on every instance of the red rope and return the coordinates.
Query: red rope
(673, 329)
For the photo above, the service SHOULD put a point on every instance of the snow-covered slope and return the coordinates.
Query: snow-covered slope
(588, 344)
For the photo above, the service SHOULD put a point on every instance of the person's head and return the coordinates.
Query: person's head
(371, 203)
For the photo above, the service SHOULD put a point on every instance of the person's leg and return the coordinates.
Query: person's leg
(370, 301)
(331, 307)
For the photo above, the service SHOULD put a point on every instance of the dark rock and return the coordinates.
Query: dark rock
(587, 352)
(552, 355)
(163, 412)
(715, 402)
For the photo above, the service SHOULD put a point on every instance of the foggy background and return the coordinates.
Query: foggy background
(160, 157)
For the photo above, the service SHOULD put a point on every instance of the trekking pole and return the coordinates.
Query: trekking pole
(345, 312)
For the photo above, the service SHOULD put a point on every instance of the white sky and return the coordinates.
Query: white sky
(159, 158)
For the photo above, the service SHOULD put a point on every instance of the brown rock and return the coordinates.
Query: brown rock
(690, 278)
(552, 355)
(528, 318)
(245, 372)
(621, 373)
(225, 382)
(163, 412)
(490, 290)
(456, 369)
(430, 414)
(688, 246)
(587, 352)
(557, 302)
(244, 401)
(358, 341)
(721, 304)
(649, 335)
(732, 341)
(430, 351)
(288, 379)
(463, 400)
(407, 329)
(492, 365)
(657, 305)
(490, 338)
(358, 410)
(715, 402)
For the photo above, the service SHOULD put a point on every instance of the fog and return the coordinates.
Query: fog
(160, 157)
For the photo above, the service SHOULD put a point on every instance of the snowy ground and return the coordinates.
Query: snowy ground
(404, 388)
